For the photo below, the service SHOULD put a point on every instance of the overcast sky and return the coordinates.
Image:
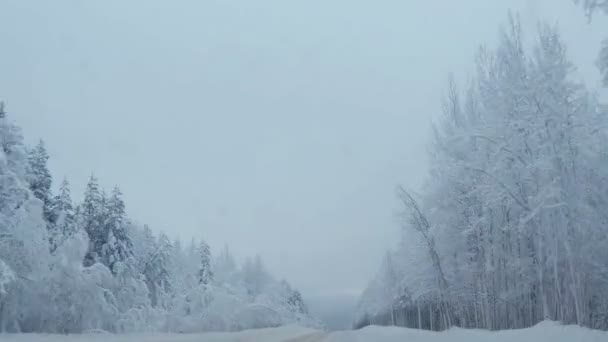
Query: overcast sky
(276, 127)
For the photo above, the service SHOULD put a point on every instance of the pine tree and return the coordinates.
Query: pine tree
(62, 203)
(12, 142)
(118, 246)
(149, 244)
(90, 219)
(157, 266)
(39, 176)
(104, 220)
(62, 215)
(116, 208)
(296, 303)
(162, 264)
(13, 166)
(205, 274)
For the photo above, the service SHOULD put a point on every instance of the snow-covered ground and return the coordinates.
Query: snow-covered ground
(546, 331)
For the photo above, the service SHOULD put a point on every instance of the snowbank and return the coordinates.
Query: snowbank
(545, 331)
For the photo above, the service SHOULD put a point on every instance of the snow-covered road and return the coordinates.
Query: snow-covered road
(544, 332)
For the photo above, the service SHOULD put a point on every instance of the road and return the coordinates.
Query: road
(543, 332)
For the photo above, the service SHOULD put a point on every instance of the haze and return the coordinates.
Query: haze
(280, 128)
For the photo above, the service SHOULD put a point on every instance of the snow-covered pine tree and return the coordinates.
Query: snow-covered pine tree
(62, 214)
(39, 177)
(12, 168)
(148, 245)
(118, 246)
(205, 273)
(296, 303)
(157, 267)
(164, 267)
(61, 204)
(90, 218)
(104, 220)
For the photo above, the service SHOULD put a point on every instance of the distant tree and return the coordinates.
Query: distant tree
(225, 268)
(592, 6)
(255, 276)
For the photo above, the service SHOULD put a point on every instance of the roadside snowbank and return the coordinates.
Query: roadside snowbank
(543, 332)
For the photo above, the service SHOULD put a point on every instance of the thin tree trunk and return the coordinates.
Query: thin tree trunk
(419, 315)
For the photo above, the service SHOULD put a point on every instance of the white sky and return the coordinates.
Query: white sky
(277, 127)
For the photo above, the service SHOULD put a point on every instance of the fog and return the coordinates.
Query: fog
(279, 128)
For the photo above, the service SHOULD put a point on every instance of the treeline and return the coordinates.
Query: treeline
(512, 226)
(69, 268)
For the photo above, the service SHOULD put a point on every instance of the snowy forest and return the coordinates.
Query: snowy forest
(511, 227)
(78, 267)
